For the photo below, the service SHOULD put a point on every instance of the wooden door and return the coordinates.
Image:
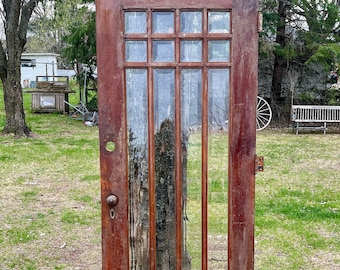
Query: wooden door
(177, 84)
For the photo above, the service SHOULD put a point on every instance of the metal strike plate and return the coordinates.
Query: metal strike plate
(259, 164)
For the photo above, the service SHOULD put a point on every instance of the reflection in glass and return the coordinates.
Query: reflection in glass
(218, 87)
(135, 22)
(163, 22)
(163, 51)
(191, 89)
(164, 87)
(219, 22)
(164, 82)
(191, 22)
(135, 51)
(191, 115)
(137, 123)
(191, 51)
(218, 50)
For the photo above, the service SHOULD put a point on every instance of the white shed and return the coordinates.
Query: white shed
(37, 64)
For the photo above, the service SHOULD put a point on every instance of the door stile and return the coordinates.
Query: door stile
(242, 135)
(113, 137)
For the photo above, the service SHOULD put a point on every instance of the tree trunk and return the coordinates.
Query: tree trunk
(15, 115)
(279, 62)
(16, 14)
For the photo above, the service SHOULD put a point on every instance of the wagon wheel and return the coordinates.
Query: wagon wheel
(263, 114)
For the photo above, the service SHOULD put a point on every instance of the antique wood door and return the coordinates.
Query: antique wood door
(177, 106)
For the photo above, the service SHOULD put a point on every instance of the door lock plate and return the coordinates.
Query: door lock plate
(259, 164)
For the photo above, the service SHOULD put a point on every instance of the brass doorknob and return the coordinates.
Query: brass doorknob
(112, 200)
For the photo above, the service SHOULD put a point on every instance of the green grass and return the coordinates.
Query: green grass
(50, 198)
(50, 194)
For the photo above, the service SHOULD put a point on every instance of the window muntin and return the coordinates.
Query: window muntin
(160, 41)
(188, 59)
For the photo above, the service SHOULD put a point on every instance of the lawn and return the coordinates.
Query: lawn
(50, 198)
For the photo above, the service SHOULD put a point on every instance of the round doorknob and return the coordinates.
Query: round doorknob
(112, 200)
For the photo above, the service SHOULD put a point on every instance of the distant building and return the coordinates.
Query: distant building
(37, 64)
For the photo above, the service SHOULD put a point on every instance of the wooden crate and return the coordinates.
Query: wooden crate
(48, 102)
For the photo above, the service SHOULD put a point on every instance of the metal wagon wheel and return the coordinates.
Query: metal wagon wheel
(263, 114)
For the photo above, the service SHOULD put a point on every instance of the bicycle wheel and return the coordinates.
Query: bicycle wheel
(263, 114)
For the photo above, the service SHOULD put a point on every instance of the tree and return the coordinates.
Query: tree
(303, 31)
(51, 21)
(321, 37)
(16, 15)
(80, 46)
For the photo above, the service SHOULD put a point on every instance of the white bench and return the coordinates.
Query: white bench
(302, 114)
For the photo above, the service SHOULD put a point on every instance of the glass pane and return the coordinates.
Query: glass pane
(137, 121)
(191, 50)
(219, 22)
(163, 51)
(191, 115)
(218, 87)
(135, 22)
(191, 22)
(218, 50)
(164, 87)
(164, 82)
(135, 51)
(218, 199)
(163, 22)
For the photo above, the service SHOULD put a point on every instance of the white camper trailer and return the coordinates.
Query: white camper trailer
(37, 64)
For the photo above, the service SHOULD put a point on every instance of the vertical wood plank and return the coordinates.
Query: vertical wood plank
(112, 128)
(242, 135)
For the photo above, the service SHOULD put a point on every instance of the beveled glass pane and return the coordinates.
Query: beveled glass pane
(135, 22)
(137, 124)
(135, 51)
(191, 51)
(191, 89)
(219, 22)
(218, 87)
(164, 87)
(218, 50)
(191, 22)
(163, 51)
(191, 122)
(162, 22)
